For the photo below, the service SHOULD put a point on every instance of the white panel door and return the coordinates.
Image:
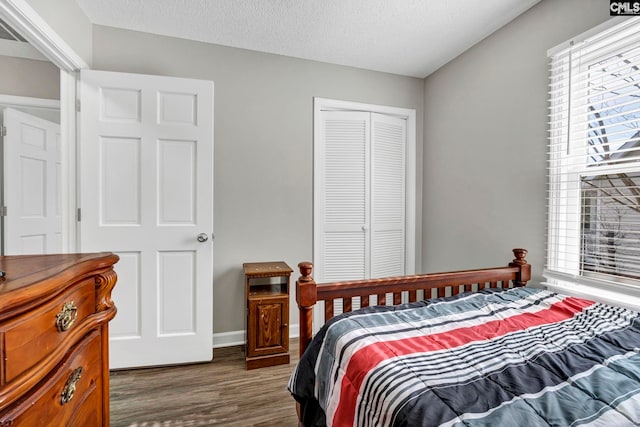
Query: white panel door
(33, 224)
(146, 178)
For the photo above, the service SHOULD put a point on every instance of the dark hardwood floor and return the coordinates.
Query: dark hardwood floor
(221, 392)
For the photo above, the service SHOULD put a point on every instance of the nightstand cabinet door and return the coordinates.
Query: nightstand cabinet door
(268, 321)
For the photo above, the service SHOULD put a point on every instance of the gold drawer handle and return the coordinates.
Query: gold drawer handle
(67, 316)
(70, 387)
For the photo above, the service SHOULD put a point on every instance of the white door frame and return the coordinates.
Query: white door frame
(19, 102)
(26, 21)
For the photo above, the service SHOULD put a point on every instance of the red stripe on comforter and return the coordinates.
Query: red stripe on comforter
(370, 356)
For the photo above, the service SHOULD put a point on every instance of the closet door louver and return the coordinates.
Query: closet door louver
(388, 148)
(360, 187)
(342, 172)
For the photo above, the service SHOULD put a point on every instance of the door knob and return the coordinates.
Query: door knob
(202, 237)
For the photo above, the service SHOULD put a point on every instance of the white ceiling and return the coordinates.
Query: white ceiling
(406, 37)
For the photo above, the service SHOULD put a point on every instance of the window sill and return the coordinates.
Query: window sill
(588, 291)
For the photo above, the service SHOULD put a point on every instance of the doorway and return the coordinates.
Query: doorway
(22, 20)
(30, 119)
(192, 293)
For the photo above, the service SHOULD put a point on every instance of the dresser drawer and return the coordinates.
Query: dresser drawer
(73, 392)
(32, 336)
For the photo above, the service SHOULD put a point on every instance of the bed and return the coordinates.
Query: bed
(465, 348)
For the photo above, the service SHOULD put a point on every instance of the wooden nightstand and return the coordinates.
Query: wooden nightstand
(267, 313)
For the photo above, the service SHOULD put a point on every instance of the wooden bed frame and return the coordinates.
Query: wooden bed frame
(308, 292)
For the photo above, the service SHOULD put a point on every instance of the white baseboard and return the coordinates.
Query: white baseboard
(228, 339)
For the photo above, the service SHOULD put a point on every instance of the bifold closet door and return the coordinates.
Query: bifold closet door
(388, 196)
(342, 194)
(360, 196)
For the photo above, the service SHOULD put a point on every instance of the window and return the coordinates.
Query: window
(594, 158)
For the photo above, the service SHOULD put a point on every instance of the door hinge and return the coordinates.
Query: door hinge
(79, 215)
(3, 211)
(4, 131)
(77, 105)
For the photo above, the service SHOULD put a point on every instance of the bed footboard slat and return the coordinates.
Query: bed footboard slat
(382, 299)
(346, 305)
(413, 296)
(328, 309)
(364, 301)
(397, 298)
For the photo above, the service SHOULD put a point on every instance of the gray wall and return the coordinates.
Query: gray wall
(485, 136)
(28, 77)
(481, 169)
(263, 143)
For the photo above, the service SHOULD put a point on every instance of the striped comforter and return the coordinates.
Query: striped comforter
(517, 357)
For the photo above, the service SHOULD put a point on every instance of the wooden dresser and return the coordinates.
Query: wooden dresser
(54, 314)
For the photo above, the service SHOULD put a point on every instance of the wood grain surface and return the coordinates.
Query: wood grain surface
(221, 392)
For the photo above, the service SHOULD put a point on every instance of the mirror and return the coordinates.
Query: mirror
(30, 85)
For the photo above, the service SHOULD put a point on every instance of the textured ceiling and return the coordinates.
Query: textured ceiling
(406, 37)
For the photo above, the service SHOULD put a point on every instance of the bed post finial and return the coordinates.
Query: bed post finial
(305, 268)
(519, 253)
(306, 296)
(525, 268)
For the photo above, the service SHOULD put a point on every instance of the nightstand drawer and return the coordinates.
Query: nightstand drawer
(31, 337)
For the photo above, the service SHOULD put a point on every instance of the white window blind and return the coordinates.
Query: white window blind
(594, 158)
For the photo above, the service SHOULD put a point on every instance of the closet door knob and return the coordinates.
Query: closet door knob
(202, 237)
